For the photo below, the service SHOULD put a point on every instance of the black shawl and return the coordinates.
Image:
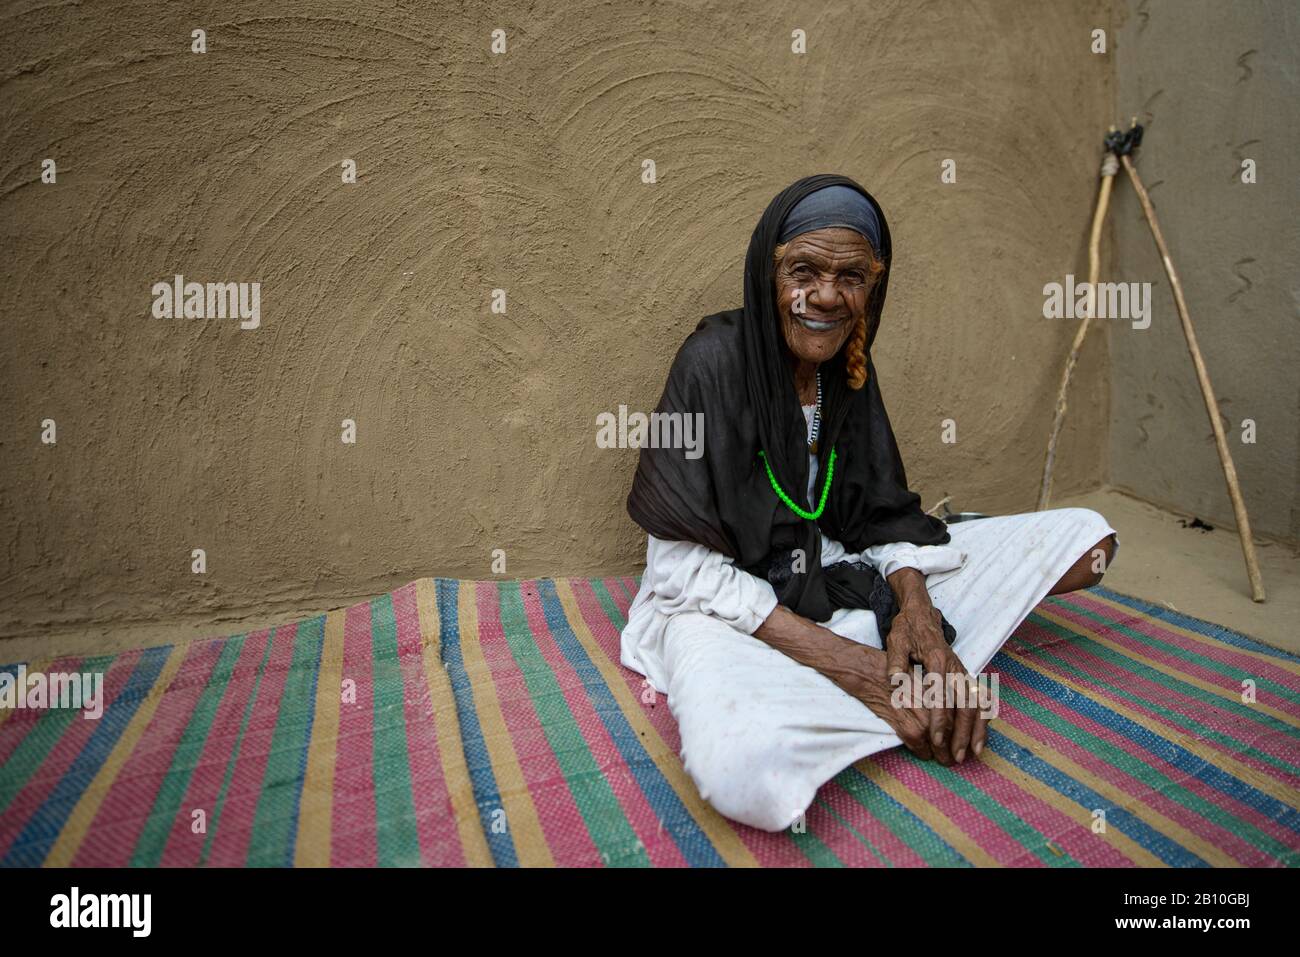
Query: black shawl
(733, 368)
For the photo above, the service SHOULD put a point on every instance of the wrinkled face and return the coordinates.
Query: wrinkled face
(830, 267)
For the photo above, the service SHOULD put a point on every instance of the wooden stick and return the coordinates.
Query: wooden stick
(938, 505)
(1109, 167)
(1207, 393)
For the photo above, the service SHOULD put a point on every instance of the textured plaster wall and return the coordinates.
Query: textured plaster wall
(475, 430)
(1216, 84)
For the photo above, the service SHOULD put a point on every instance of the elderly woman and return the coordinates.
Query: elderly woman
(790, 573)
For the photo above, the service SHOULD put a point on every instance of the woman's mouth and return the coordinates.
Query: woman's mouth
(816, 325)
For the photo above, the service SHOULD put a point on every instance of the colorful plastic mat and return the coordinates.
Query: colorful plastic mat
(481, 723)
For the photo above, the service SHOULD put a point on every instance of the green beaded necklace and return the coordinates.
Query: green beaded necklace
(780, 492)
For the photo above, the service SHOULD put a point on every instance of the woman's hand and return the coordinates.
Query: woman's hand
(875, 690)
(859, 670)
(916, 637)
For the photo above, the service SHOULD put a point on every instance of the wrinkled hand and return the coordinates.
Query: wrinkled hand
(912, 725)
(916, 637)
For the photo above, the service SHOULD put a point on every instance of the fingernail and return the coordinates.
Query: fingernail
(979, 748)
(961, 754)
(938, 739)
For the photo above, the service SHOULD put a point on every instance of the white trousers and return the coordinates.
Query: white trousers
(761, 732)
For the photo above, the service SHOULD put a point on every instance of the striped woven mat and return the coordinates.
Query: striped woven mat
(480, 723)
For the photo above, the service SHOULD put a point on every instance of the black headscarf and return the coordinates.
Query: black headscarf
(734, 369)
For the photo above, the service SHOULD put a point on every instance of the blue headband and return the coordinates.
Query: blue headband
(833, 206)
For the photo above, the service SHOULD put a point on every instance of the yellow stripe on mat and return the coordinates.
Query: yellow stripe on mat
(1172, 672)
(1113, 836)
(531, 846)
(938, 821)
(1148, 815)
(79, 821)
(315, 816)
(1252, 776)
(719, 831)
(451, 751)
(1206, 640)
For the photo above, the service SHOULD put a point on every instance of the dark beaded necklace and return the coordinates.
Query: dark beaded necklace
(817, 417)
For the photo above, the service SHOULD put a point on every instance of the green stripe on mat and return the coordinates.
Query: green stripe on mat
(906, 826)
(36, 745)
(1154, 675)
(1233, 672)
(233, 761)
(276, 819)
(600, 809)
(1183, 721)
(858, 835)
(608, 604)
(1145, 773)
(153, 837)
(1024, 833)
(818, 854)
(398, 841)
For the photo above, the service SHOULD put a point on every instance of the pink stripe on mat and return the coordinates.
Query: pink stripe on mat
(439, 844)
(1207, 646)
(659, 846)
(17, 726)
(558, 816)
(982, 830)
(122, 815)
(44, 779)
(354, 836)
(184, 847)
(630, 588)
(1268, 740)
(856, 815)
(1126, 783)
(1067, 833)
(1193, 669)
(837, 836)
(238, 811)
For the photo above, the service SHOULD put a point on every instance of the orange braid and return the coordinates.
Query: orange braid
(855, 359)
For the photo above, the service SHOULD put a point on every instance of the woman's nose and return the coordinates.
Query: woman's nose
(823, 290)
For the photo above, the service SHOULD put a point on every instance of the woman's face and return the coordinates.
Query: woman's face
(821, 290)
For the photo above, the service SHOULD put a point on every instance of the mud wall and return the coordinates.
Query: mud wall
(477, 171)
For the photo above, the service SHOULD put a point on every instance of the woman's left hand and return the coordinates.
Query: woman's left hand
(916, 636)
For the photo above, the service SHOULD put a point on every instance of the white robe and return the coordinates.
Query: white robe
(761, 732)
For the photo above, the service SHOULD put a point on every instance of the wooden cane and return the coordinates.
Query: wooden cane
(1109, 167)
(1207, 392)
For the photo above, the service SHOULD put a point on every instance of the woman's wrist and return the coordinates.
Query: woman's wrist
(846, 663)
(908, 585)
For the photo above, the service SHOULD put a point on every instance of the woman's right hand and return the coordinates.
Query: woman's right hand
(912, 725)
